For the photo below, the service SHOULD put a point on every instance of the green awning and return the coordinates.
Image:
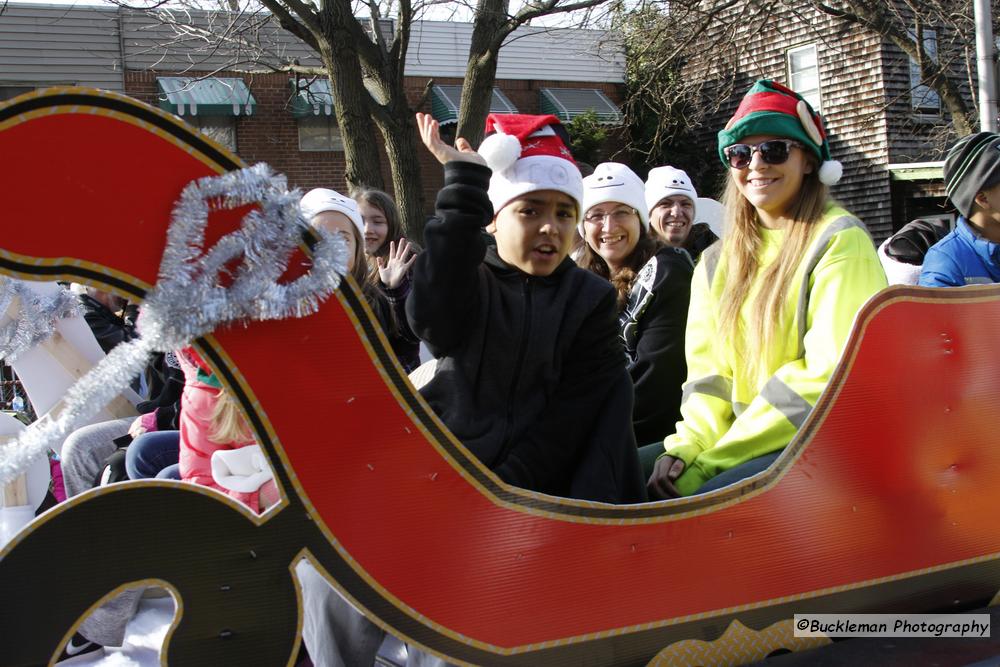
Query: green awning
(313, 99)
(215, 96)
(445, 102)
(568, 103)
(917, 171)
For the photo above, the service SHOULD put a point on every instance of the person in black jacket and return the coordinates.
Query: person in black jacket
(902, 254)
(531, 374)
(110, 318)
(653, 282)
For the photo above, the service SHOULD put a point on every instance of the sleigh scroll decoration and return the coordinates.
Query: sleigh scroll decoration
(883, 503)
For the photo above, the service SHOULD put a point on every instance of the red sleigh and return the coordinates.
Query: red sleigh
(883, 503)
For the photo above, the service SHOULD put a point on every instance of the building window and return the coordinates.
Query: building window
(10, 92)
(220, 129)
(319, 133)
(803, 74)
(924, 99)
(568, 103)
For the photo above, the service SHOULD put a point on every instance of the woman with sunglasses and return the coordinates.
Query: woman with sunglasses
(653, 282)
(773, 304)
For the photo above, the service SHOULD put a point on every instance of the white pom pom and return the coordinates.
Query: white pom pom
(830, 172)
(500, 151)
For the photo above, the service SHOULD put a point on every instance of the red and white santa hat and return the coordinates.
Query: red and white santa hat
(529, 153)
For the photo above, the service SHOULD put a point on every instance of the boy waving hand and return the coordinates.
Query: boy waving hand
(531, 374)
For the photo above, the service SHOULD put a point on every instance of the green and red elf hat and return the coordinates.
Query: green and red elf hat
(773, 109)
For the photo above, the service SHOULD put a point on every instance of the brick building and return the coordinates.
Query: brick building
(265, 117)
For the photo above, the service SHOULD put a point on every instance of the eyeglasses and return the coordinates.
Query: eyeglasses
(619, 215)
(772, 151)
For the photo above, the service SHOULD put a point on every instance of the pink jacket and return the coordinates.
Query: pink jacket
(197, 402)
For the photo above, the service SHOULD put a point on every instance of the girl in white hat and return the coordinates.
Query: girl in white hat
(343, 216)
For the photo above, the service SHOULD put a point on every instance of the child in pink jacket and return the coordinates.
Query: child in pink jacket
(210, 421)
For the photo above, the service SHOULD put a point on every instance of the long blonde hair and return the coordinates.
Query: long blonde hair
(740, 248)
(227, 421)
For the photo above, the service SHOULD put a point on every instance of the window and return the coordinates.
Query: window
(8, 92)
(924, 99)
(312, 107)
(803, 74)
(221, 129)
(568, 103)
(319, 133)
(445, 102)
(210, 104)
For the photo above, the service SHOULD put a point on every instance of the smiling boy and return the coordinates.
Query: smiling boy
(531, 374)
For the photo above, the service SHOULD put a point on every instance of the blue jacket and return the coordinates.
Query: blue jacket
(963, 257)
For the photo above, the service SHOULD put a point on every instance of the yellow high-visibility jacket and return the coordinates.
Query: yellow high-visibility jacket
(730, 417)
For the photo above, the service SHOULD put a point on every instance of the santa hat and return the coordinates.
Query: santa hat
(528, 153)
(613, 182)
(668, 181)
(771, 108)
(320, 200)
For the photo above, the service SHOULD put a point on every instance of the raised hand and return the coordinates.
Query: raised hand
(393, 268)
(431, 136)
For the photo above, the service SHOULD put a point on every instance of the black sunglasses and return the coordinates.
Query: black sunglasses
(772, 151)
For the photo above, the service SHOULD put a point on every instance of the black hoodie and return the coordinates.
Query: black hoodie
(531, 374)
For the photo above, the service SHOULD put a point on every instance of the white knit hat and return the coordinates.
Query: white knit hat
(666, 182)
(527, 154)
(320, 200)
(614, 182)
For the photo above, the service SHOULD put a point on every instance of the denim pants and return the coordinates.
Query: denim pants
(154, 454)
(649, 453)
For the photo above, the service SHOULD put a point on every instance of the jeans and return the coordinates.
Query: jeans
(649, 453)
(154, 454)
(742, 471)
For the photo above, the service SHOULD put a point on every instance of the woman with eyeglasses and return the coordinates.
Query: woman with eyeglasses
(653, 282)
(773, 304)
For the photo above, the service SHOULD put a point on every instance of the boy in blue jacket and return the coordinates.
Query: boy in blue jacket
(970, 254)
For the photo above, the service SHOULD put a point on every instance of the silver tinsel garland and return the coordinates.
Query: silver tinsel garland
(37, 315)
(190, 299)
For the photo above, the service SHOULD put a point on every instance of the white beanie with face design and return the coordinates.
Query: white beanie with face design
(614, 182)
(668, 181)
(321, 200)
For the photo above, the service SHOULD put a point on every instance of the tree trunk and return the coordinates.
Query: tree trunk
(481, 69)
(477, 94)
(350, 104)
(399, 131)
